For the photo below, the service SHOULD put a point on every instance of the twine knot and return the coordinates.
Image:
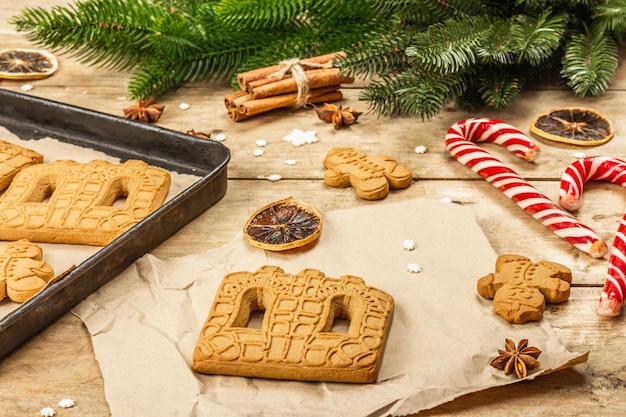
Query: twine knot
(295, 66)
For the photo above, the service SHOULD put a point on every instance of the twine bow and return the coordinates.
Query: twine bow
(295, 66)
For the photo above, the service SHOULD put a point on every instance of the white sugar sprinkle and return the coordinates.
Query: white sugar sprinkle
(421, 149)
(414, 268)
(579, 155)
(67, 403)
(27, 87)
(258, 152)
(290, 161)
(298, 137)
(184, 106)
(261, 143)
(47, 412)
(408, 244)
(274, 177)
(219, 137)
(446, 200)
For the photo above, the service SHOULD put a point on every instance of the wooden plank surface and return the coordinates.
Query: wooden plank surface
(60, 361)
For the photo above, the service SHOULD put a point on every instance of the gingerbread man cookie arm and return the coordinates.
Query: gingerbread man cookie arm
(572, 183)
(460, 141)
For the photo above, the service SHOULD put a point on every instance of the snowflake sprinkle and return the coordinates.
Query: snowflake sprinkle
(184, 106)
(290, 161)
(67, 403)
(421, 149)
(219, 137)
(261, 143)
(47, 412)
(299, 137)
(408, 244)
(27, 87)
(274, 177)
(579, 155)
(258, 152)
(414, 268)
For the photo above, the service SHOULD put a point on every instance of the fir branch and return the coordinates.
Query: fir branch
(423, 52)
(493, 48)
(377, 56)
(590, 62)
(500, 88)
(417, 95)
(610, 16)
(257, 14)
(448, 46)
(534, 40)
(116, 34)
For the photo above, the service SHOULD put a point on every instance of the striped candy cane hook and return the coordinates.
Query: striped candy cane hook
(572, 184)
(460, 141)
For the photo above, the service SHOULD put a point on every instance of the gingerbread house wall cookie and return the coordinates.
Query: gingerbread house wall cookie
(295, 340)
(14, 158)
(71, 202)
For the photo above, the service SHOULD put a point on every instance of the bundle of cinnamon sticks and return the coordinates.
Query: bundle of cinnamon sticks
(276, 86)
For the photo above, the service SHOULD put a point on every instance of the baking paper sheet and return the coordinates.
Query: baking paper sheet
(145, 323)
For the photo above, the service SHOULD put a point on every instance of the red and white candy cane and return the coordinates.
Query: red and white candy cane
(572, 183)
(460, 141)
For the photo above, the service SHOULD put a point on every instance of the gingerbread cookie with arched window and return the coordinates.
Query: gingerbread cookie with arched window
(296, 339)
(80, 203)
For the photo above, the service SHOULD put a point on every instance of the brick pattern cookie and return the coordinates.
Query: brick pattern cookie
(23, 272)
(371, 176)
(12, 159)
(295, 340)
(521, 288)
(71, 202)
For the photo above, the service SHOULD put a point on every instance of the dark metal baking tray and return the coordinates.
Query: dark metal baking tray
(32, 118)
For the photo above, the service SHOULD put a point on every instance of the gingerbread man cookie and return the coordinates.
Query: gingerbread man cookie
(520, 288)
(24, 273)
(371, 176)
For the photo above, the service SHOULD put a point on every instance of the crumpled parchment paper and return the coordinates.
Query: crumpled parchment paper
(145, 323)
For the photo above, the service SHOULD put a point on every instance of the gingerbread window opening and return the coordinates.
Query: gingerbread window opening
(42, 192)
(251, 308)
(116, 193)
(343, 313)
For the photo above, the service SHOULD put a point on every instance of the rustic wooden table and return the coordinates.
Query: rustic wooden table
(60, 361)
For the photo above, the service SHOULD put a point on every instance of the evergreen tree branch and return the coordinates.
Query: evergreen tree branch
(422, 52)
(534, 40)
(590, 62)
(500, 88)
(116, 34)
(610, 16)
(448, 46)
(419, 95)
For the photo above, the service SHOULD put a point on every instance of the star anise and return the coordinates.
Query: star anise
(520, 359)
(146, 111)
(337, 115)
(203, 135)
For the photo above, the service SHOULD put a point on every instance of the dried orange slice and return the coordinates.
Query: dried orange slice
(575, 125)
(26, 64)
(283, 224)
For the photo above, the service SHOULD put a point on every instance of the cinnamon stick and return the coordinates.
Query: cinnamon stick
(260, 73)
(254, 107)
(231, 100)
(316, 78)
